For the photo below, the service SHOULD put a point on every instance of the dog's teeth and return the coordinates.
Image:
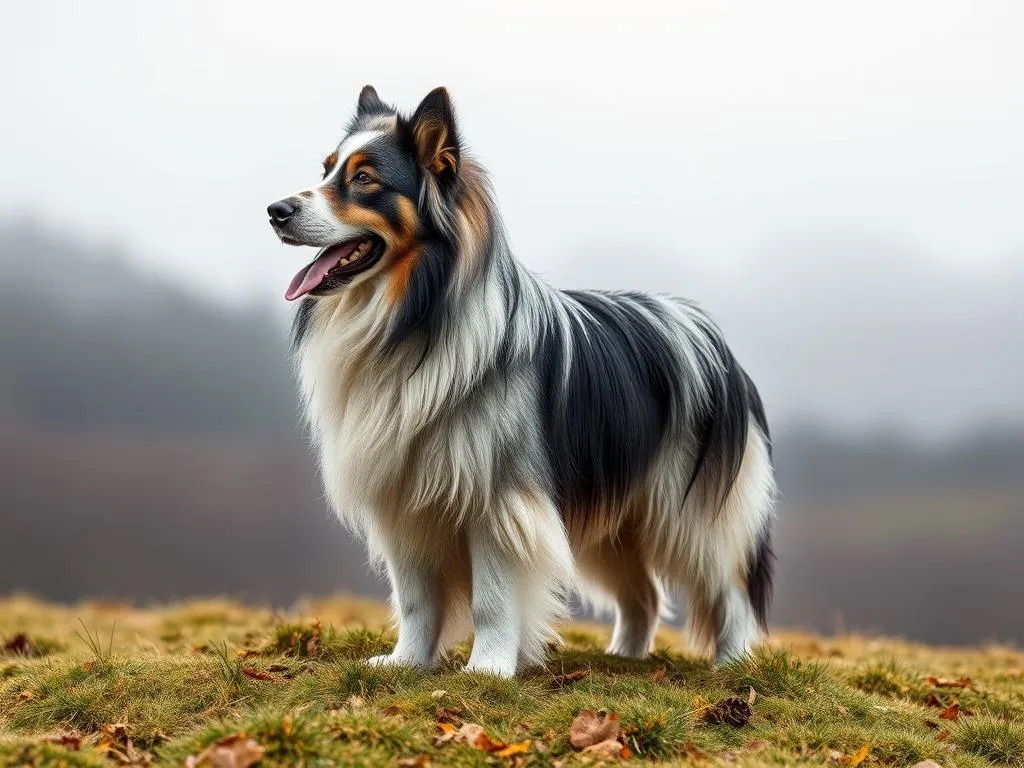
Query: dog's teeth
(343, 262)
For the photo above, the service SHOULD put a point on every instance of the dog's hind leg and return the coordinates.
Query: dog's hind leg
(622, 574)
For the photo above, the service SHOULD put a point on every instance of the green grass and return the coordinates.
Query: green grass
(178, 679)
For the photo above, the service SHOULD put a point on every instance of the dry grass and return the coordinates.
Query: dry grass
(182, 677)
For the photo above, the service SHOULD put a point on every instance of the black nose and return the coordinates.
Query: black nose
(280, 211)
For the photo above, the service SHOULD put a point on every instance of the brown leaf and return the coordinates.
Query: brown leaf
(732, 711)
(414, 762)
(254, 674)
(392, 711)
(858, 758)
(933, 701)
(237, 751)
(659, 674)
(931, 724)
(944, 682)
(313, 645)
(68, 740)
(952, 712)
(87, 666)
(20, 644)
(517, 748)
(26, 695)
(449, 715)
(608, 748)
(560, 681)
(752, 696)
(590, 728)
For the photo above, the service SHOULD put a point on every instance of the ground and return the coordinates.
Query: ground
(215, 683)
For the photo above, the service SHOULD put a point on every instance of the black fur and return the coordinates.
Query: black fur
(300, 324)
(422, 310)
(605, 423)
(760, 573)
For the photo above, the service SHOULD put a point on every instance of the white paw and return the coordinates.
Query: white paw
(492, 667)
(390, 660)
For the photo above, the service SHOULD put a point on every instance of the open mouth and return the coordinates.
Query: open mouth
(335, 265)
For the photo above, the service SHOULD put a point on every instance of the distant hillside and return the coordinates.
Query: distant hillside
(88, 342)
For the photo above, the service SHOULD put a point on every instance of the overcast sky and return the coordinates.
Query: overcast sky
(841, 183)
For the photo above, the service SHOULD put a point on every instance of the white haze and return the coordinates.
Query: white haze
(840, 183)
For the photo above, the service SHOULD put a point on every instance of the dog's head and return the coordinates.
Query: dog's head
(386, 193)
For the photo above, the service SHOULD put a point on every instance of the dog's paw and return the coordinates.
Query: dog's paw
(491, 667)
(390, 660)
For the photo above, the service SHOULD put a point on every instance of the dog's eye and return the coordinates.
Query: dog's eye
(362, 178)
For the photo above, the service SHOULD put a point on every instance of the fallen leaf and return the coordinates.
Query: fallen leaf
(26, 696)
(952, 712)
(944, 682)
(835, 754)
(943, 736)
(591, 728)
(87, 666)
(449, 715)
(560, 681)
(933, 701)
(313, 645)
(608, 748)
(752, 696)
(659, 674)
(414, 762)
(438, 694)
(200, 648)
(254, 674)
(237, 751)
(391, 711)
(732, 711)
(67, 740)
(856, 759)
(517, 748)
(842, 710)
(931, 724)
(19, 644)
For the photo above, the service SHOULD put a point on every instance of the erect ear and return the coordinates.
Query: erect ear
(370, 102)
(435, 135)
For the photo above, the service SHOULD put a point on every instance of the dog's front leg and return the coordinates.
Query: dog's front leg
(416, 595)
(495, 610)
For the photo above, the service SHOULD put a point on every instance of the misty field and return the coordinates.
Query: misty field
(213, 683)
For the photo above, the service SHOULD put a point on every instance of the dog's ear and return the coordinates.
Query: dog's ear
(435, 135)
(369, 102)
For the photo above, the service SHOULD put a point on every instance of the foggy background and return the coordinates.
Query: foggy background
(839, 184)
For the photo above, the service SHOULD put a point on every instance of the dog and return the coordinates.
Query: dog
(499, 443)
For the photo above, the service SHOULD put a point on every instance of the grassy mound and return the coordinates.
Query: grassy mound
(211, 683)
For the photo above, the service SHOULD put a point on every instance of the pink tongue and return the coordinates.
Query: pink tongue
(311, 276)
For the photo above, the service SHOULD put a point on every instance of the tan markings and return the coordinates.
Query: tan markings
(352, 164)
(329, 162)
(401, 275)
(431, 138)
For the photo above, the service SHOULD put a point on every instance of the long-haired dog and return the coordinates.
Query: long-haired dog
(498, 442)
